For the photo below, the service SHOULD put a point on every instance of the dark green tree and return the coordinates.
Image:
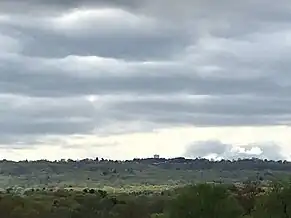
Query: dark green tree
(204, 201)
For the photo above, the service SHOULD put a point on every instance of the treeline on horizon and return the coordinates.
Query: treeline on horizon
(179, 163)
(171, 172)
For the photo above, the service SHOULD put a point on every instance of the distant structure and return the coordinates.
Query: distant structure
(156, 156)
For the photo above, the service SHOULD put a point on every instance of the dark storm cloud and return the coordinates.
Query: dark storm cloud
(218, 149)
(231, 58)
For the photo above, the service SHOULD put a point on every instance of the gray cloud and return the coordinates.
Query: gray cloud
(35, 116)
(73, 76)
(20, 115)
(218, 149)
(131, 46)
(150, 64)
(105, 38)
(54, 6)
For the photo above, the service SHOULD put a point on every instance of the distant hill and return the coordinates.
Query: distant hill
(149, 171)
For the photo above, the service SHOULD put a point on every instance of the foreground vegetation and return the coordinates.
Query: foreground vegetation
(132, 174)
(250, 200)
(145, 188)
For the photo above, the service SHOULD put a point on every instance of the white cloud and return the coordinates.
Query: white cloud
(108, 21)
(242, 142)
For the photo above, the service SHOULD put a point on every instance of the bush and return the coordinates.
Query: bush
(204, 201)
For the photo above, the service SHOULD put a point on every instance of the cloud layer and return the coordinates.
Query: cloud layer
(219, 150)
(89, 67)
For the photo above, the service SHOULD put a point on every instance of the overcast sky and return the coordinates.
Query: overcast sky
(125, 79)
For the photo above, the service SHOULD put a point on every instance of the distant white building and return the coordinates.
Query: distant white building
(156, 156)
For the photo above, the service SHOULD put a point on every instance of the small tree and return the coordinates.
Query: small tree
(276, 203)
(204, 201)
